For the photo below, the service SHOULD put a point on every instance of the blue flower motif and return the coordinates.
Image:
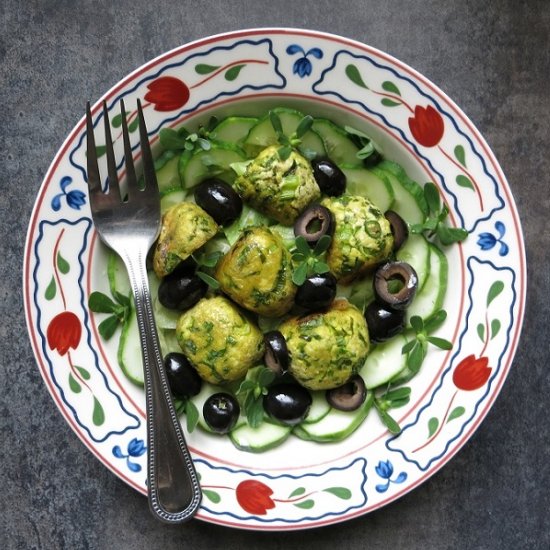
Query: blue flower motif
(487, 241)
(385, 471)
(75, 198)
(135, 449)
(302, 66)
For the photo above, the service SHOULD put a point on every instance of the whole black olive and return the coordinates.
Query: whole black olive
(219, 199)
(221, 411)
(399, 229)
(330, 179)
(183, 379)
(313, 223)
(276, 355)
(348, 397)
(287, 403)
(317, 292)
(395, 284)
(181, 289)
(383, 322)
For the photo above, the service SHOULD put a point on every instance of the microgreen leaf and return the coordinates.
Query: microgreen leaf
(284, 152)
(433, 225)
(209, 280)
(300, 274)
(101, 303)
(191, 415)
(309, 260)
(251, 391)
(108, 327)
(440, 342)
(388, 421)
(304, 126)
(276, 122)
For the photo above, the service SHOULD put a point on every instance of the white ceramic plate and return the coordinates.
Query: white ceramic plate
(300, 484)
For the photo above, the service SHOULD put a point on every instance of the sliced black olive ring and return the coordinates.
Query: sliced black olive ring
(399, 229)
(348, 397)
(395, 284)
(314, 222)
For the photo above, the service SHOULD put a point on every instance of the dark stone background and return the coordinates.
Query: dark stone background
(492, 58)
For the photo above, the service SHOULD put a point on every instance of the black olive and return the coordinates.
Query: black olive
(330, 179)
(287, 403)
(399, 229)
(221, 411)
(181, 289)
(276, 355)
(183, 379)
(313, 223)
(348, 397)
(219, 199)
(383, 322)
(395, 284)
(317, 292)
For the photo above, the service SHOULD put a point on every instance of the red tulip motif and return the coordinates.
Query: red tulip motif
(167, 93)
(64, 332)
(426, 126)
(254, 497)
(471, 373)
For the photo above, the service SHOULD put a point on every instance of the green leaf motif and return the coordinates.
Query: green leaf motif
(495, 327)
(297, 492)
(73, 384)
(352, 72)
(51, 290)
(83, 372)
(98, 416)
(133, 126)
(203, 68)
(212, 496)
(433, 424)
(340, 492)
(390, 87)
(496, 288)
(463, 181)
(116, 121)
(306, 504)
(456, 413)
(100, 150)
(460, 155)
(481, 331)
(390, 102)
(62, 264)
(232, 73)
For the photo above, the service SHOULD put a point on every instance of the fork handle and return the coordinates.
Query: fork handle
(174, 490)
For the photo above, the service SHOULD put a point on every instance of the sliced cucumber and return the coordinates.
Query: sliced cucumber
(319, 407)
(129, 350)
(172, 198)
(409, 201)
(117, 275)
(207, 164)
(416, 252)
(260, 439)
(234, 129)
(263, 135)
(338, 146)
(384, 363)
(364, 182)
(335, 425)
(168, 177)
(430, 299)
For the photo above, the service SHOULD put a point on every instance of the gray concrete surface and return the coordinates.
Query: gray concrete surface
(492, 58)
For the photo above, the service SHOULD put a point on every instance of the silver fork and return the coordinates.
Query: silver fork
(130, 228)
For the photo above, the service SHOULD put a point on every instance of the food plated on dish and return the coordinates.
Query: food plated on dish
(332, 223)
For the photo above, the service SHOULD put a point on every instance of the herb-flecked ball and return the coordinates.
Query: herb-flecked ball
(219, 341)
(326, 348)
